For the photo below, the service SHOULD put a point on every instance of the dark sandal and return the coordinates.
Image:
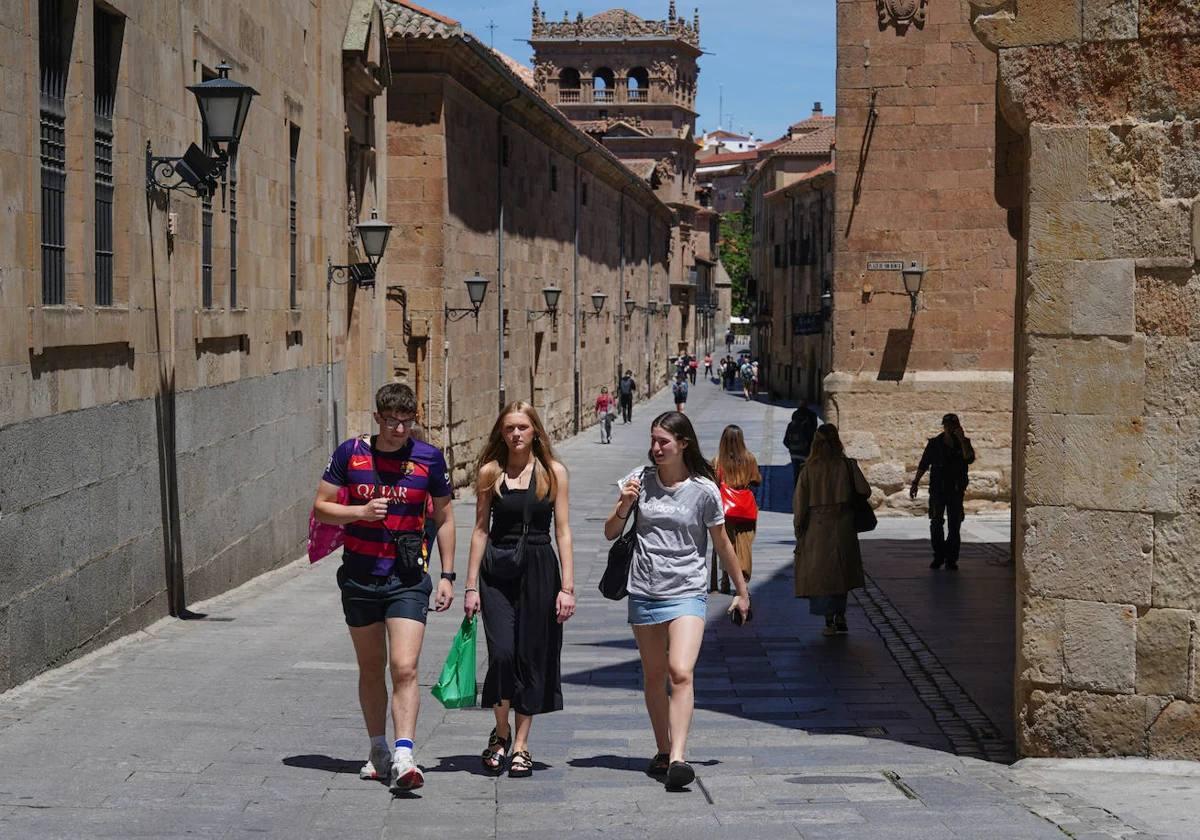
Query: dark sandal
(679, 775)
(495, 754)
(520, 765)
(658, 765)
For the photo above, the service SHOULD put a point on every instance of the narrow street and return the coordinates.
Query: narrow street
(246, 724)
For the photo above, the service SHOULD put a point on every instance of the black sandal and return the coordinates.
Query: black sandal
(679, 775)
(520, 765)
(658, 765)
(495, 754)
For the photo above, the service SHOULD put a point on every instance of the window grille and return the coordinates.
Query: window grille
(295, 149)
(106, 42)
(54, 50)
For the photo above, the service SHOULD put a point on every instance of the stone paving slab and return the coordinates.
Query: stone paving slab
(248, 726)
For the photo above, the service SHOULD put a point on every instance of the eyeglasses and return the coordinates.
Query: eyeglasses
(396, 422)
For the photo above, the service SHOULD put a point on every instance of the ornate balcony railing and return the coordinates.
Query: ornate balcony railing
(568, 95)
(602, 95)
(639, 95)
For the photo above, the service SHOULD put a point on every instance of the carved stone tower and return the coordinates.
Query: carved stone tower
(631, 84)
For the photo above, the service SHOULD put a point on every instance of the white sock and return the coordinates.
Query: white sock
(404, 748)
(380, 742)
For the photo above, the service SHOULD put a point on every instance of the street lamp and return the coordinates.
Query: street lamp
(666, 308)
(913, 275)
(598, 298)
(827, 303)
(630, 306)
(223, 105)
(652, 307)
(373, 236)
(550, 294)
(476, 291)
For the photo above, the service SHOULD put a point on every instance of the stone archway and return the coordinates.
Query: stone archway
(1105, 101)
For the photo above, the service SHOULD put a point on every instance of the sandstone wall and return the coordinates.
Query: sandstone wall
(1107, 99)
(579, 222)
(917, 182)
(157, 451)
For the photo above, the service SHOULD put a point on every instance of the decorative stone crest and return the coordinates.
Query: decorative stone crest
(543, 72)
(901, 14)
(615, 24)
(664, 71)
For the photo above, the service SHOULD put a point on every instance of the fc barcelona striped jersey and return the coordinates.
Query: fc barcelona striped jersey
(408, 477)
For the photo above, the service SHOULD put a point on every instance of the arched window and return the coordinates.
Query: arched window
(638, 82)
(603, 82)
(568, 85)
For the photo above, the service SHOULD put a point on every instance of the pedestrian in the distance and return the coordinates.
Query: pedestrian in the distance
(520, 486)
(604, 414)
(828, 562)
(946, 457)
(708, 368)
(737, 476)
(754, 378)
(693, 368)
(383, 578)
(798, 438)
(680, 391)
(747, 373)
(678, 512)
(730, 373)
(626, 388)
(729, 341)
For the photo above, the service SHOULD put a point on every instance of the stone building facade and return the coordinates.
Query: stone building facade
(631, 83)
(793, 260)
(486, 176)
(1101, 110)
(916, 183)
(167, 363)
(791, 196)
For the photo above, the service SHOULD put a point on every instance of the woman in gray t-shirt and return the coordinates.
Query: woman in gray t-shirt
(678, 511)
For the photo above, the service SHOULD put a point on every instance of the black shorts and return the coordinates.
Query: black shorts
(368, 599)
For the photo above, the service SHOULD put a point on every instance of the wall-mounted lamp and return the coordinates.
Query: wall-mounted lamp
(373, 236)
(598, 298)
(827, 303)
(550, 294)
(476, 292)
(913, 276)
(652, 307)
(666, 308)
(223, 105)
(630, 306)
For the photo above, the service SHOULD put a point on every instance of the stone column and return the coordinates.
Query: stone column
(1106, 95)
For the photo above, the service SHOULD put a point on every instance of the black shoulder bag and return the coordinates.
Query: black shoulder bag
(406, 543)
(505, 562)
(864, 517)
(615, 580)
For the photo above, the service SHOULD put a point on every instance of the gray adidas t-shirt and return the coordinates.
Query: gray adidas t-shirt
(670, 560)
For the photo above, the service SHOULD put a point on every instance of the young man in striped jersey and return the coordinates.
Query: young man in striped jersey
(383, 578)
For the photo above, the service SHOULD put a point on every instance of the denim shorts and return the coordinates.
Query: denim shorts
(368, 599)
(651, 611)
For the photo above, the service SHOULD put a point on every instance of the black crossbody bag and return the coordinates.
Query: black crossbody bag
(504, 562)
(615, 580)
(406, 543)
(864, 517)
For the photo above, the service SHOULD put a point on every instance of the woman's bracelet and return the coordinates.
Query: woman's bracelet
(626, 516)
(470, 589)
(566, 591)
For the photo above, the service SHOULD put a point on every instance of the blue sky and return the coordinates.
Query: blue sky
(773, 58)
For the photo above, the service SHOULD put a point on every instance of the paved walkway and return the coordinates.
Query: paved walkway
(246, 724)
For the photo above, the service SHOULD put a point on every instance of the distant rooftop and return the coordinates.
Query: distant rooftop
(615, 24)
(408, 20)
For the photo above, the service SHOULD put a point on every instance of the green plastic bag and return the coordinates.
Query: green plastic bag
(456, 687)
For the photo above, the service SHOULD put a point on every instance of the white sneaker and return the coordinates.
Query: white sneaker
(405, 774)
(377, 765)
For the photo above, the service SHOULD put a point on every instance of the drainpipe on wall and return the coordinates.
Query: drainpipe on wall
(500, 249)
(649, 283)
(576, 399)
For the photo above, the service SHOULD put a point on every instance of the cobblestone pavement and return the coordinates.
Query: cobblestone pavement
(246, 724)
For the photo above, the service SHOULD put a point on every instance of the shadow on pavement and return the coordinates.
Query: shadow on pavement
(323, 762)
(471, 764)
(774, 495)
(871, 682)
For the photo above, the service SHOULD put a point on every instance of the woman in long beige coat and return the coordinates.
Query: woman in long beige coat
(828, 563)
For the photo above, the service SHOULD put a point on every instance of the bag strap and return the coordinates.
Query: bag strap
(529, 491)
(854, 494)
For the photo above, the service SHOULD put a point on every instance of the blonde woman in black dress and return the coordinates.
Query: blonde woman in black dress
(519, 480)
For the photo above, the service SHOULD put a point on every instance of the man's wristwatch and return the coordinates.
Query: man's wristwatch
(450, 576)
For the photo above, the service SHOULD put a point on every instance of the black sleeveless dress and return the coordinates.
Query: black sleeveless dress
(524, 638)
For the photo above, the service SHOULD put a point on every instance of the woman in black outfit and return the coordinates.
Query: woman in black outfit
(520, 486)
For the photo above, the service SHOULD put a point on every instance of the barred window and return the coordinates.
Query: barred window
(54, 52)
(107, 45)
(292, 281)
(206, 223)
(233, 233)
